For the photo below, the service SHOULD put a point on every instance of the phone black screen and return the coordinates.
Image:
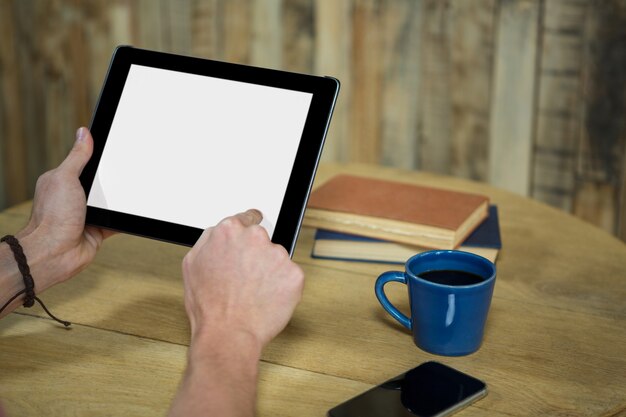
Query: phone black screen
(425, 391)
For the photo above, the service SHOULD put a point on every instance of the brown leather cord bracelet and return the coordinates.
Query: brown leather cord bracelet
(29, 283)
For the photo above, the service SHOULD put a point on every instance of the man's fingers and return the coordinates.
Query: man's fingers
(80, 153)
(247, 218)
(250, 217)
(105, 233)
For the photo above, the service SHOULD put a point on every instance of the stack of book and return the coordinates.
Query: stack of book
(365, 219)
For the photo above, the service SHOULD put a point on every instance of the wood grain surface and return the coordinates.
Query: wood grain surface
(554, 342)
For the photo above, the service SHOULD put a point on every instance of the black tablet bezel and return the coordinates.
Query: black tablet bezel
(323, 89)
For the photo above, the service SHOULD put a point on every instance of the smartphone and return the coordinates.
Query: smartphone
(429, 390)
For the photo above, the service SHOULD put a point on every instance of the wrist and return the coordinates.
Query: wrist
(48, 264)
(217, 343)
(221, 374)
(233, 354)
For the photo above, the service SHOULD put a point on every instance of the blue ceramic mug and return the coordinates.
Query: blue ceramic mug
(449, 296)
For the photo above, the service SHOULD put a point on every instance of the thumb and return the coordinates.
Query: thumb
(80, 153)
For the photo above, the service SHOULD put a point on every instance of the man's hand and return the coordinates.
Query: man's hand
(56, 242)
(240, 292)
(236, 278)
(57, 223)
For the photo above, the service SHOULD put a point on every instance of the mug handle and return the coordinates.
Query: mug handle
(395, 276)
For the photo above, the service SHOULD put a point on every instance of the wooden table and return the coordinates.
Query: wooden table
(555, 341)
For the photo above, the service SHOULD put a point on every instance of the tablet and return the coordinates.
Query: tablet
(182, 142)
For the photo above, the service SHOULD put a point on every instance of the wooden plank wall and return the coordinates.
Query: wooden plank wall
(513, 100)
(529, 95)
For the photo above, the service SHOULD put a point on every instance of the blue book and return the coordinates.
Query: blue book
(484, 241)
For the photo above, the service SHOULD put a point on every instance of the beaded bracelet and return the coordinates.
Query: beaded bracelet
(29, 283)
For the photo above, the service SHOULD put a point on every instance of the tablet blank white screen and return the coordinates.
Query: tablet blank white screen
(191, 149)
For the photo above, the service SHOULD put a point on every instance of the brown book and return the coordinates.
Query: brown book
(395, 211)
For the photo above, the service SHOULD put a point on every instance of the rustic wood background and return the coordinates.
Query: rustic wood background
(527, 95)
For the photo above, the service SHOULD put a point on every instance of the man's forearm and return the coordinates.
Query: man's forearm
(221, 376)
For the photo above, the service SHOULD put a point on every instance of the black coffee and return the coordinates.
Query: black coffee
(448, 277)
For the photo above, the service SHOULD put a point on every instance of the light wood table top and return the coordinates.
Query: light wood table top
(555, 342)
